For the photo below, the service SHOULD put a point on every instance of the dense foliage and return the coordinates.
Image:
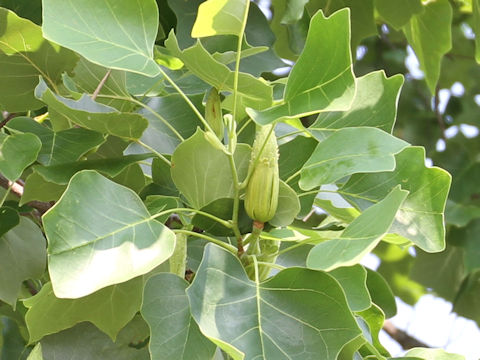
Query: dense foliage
(124, 215)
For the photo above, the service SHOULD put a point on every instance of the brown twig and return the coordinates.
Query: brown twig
(6, 118)
(17, 189)
(401, 337)
(100, 84)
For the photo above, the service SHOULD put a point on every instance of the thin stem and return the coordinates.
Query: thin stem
(290, 134)
(293, 176)
(236, 204)
(148, 147)
(226, 246)
(187, 100)
(6, 194)
(309, 193)
(244, 126)
(100, 84)
(237, 62)
(271, 265)
(199, 212)
(298, 244)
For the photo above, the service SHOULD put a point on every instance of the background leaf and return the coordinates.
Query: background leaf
(89, 247)
(16, 153)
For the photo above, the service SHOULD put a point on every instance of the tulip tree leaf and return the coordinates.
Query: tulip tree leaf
(420, 218)
(196, 165)
(174, 333)
(374, 105)
(398, 12)
(349, 151)
(9, 218)
(37, 188)
(24, 244)
(252, 92)
(219, 17)
(110, 309)
(23, 58)
(16, 153)
(288, 206)
(58, 147)
(296, 311)
(353, 280)
(381, 293)
(320, 80)
(91, 247)
(360, 237)
(433, 354)
(85, 341)
(429, 34)
(92, 115)
(61, 173)
(124, 40)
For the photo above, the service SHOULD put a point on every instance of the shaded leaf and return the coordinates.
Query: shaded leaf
(297, 311)
(24, 56)
(349, 151)
(381, 293)
(360, 237)
(202, 172)
(288, 206)
(92, 115)
(124, 40)
(110, 309)
(353, 280)
(310, 90)
(398, 12)
(420, 218)
(16, 153)
(37, 188)
(91, 247)
(58, 147)
(9, 218)
(22, 257)
(174, 333)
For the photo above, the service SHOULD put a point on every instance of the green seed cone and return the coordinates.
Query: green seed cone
(261, 198)
(213, 112)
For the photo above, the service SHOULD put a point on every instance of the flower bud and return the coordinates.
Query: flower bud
(261, 198)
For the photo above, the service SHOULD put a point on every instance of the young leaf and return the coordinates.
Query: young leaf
(296, 311)
(174, 333)
(349, 151)
(90, 247)
(360, 237)
(124, 40)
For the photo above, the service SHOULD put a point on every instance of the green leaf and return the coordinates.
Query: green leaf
(288, 206)
(158, 203)
(252, 92)
(110, 309)
(471, 246)
(398, 12)
(124, 40)
(61, 174)
(353, 280)
(202, 172)
(16, 153)
(90, 247)
(85, 341)
(297, 311)
(25, 245)
(460, 215)
(174, 333)
(349, 151)
(381, 293)
(91, 115)
(58, 147)
(433, 354)
(9, 218)
(219, 17)
(294, 154)
(420, 218)
(476, 27)
(360, 237)
(429, 34)
(467, 302)
(37, 188)
(374, 318)
(23, 57)
(319, 81)
(374, 105)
